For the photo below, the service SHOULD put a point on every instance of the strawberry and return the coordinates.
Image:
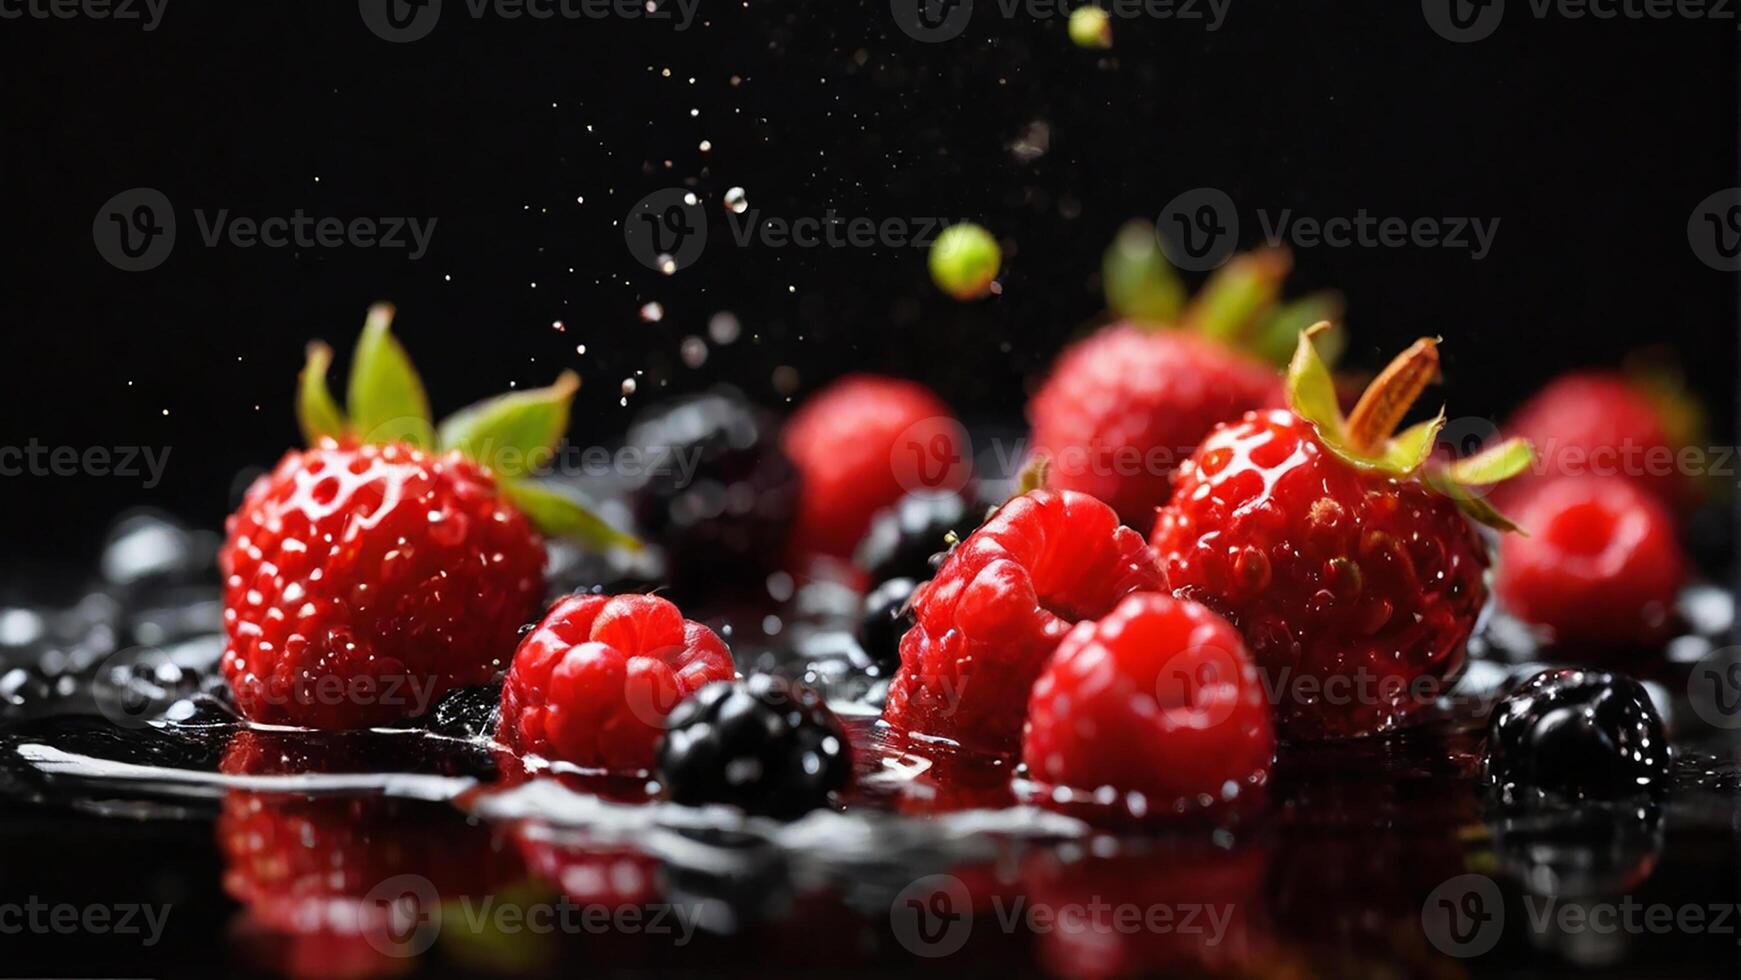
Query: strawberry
(860, 443)
(1124, 407)
(593, 682)
(998, 607)
(387, 564)
(1344, 561)
(1601, 565)
(1597, 423)
(1156, 703)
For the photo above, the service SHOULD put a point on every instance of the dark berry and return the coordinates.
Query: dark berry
(886, 619)
(1569, 734)
(718, 491)
(763, 744)
(904, 540)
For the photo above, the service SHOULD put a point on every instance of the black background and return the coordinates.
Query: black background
(1591, 141)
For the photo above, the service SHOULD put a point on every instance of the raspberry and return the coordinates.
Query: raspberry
(1601, 565)
(361, 582)
(593, 682)
(859, 444)
(1572, 735)
(1158, 701)
(1598, 423)
(1123, 408)
(763, 745)
(998, 607)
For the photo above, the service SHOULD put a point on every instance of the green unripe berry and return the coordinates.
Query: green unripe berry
(1090, 27)
(964, 261)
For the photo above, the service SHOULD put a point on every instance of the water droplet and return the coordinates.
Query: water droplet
(736, 200)
(723, 328)
(628, 386)
(694, 351)
(666, 263)
(653, 312)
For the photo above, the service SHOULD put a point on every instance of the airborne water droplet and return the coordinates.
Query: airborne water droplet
(723, 328)
(653, 312)
(694, 351)
(736, 200)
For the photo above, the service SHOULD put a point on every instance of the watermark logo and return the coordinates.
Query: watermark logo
(1463, 21)
(666, 230)
(402, 915)
(400, 21)
(933, 916)
(1199, 229)
(932, 456)
(147, 13)
(1464, 916)
(1714, 230)
(135, 230)
(1714, 688)
(932, 21)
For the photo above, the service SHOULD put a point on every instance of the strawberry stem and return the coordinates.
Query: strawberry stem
(1385, 401)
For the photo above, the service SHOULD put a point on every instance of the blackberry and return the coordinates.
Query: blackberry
(904, 538)
(719, 492)
(1571, 735)
(762, 744)
(885, 622)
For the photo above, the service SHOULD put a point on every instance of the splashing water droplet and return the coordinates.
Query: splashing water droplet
(628, 386)
(723, 328)
(653, 312)
(694, 351)
(667, 264)
(736, 200)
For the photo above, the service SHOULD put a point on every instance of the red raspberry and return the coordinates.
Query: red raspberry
(1601, 424)
(363, 581)
(1601, 564)
(1338, 577)
(998, 607)
(859, 444)
(593, 682)
(586, 871)
(1157, 700)
(1123, 408)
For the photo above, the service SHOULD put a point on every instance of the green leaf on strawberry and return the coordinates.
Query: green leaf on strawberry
(559, 514)
(385, 396)
(1367, 439)
(510, 432)
(1140, 283)
(316, 413)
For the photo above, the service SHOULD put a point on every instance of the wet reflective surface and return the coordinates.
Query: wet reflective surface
(127, 782)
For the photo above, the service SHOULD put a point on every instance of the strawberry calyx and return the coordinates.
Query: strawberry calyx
(385, 403)
(1240, 306)
(1366, 438)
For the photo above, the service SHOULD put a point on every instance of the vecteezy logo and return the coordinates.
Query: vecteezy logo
(400, 21)
(1464, 916)
(1463, 21)
(1199, 229)
(931, 21)
(1714, 688)
(666, 230)
(402, 915)
(932, 917)
(1714, 230)
(135, 230)
(931, 456)
(1201, 694)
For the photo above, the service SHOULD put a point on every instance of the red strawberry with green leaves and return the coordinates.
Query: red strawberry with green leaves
(1125, 406)
(392, 560)
(1345, 560)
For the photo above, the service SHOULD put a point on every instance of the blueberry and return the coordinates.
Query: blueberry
(885, 622)
(904, 539)
(718, 492)
(762, 744)
(1571, 735)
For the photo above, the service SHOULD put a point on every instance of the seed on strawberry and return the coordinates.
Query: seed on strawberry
(1601, 565)
(1350, 571)
(593, 682)
(369, 574)
(1157, 705)
(998, 607)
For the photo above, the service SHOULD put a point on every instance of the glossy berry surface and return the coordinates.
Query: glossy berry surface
(1601, 565)
(1355, 591)
(886, 620)
(1157, 700)
(906, 540)
(593, 682)
(1595, 423)
(1572, 735)
(363, 581)
(859, 444)
(1123, 408)
(763, 744)
(720, 492)
(998, 607)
